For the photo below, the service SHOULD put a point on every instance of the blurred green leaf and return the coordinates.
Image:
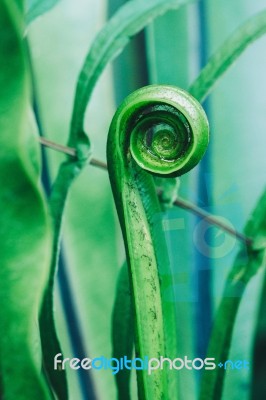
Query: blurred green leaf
(227, 54)
(35, 8)
(50, 341)
(258, 386)
(111, 40)
(123, 331)
(24, 223)
(248, 261)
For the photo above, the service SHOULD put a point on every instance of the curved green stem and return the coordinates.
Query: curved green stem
(258, 384)
(122, 331)
(227, 54)
(163, 130)
(246, 265)
(25, 229)
(49, 339)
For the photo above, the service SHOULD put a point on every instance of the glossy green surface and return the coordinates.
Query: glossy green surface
(24, 223)
(137, 206)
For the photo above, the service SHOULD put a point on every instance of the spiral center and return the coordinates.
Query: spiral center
(161, 135)
(162, 140)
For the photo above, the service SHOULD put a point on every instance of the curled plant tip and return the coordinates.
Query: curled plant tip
(169, 134)
(158, 130)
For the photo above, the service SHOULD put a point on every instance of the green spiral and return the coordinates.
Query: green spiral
(168, 129)
(160, 139)
(158, 130)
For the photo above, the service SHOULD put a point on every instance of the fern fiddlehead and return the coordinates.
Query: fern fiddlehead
(159, 130)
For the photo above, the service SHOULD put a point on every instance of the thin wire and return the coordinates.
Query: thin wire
(71, 151)
(179, 202)
(211, 219)
(58, 147)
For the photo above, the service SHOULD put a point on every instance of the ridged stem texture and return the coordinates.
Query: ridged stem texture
(159, 130)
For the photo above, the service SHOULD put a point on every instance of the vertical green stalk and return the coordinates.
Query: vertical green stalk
(24, 223)
(246, 265)
(258, 385)
(156, 130)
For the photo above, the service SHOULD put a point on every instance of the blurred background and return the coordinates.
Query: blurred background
(229, 180)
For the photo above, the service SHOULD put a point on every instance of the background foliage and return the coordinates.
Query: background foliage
(171, 50)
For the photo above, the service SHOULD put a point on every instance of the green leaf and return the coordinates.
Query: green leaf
(258, 385)
(248, 261)
(258, 379)
(227, 54)
(122, 331)
(35, 8)
(50, 341)
(111, 40)
(24, 223)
